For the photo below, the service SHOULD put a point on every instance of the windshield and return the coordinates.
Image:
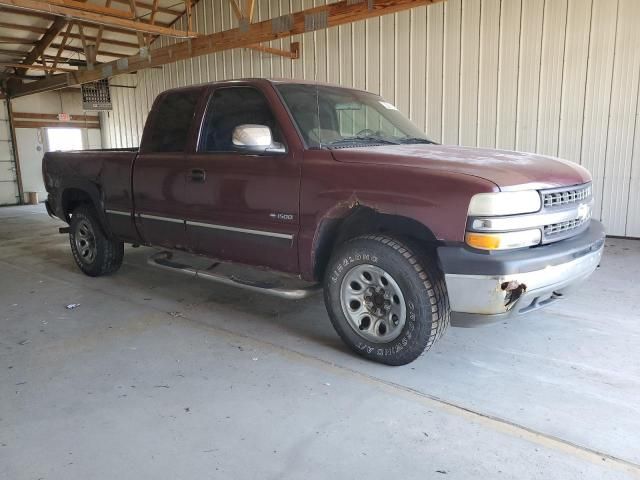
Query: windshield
(336, 117)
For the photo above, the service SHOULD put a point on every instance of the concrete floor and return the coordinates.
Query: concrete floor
(159, 376)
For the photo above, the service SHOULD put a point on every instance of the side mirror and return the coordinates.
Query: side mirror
(255, 139)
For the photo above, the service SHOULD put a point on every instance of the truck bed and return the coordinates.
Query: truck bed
(105, 174)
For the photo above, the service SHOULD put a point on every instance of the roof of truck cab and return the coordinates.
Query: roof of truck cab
(273, 81)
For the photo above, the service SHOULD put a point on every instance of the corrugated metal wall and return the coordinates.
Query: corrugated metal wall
(559, 77)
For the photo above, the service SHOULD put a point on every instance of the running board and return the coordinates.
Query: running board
(164, 260)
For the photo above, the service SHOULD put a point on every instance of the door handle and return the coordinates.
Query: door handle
(197, 175)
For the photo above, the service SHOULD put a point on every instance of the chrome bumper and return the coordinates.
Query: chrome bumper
(478, 299)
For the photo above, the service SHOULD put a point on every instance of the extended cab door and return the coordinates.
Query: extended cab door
(244, 207)
(159, 173)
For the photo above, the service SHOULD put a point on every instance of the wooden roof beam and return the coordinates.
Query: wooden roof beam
(46, 68)
(91, 13)
(103, 53)
(330, 15)
(65, 37)
(49, 16)
(52, 32)
(149, 6)
(16, 41)
(24, 28)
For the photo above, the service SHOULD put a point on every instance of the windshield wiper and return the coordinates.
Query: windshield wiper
(364, 139)
(408, 140)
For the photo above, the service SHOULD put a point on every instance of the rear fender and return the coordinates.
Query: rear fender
(78, 191)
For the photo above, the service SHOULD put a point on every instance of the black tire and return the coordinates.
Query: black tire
(420, 282)
(94, 252)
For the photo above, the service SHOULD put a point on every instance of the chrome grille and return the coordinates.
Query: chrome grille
(567, 199)
(567, 196)
(564, 227)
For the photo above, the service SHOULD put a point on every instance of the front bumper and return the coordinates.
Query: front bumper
(476, 280)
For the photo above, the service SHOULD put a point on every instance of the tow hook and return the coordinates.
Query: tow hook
(514, 291)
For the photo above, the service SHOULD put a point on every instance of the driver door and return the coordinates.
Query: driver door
(243, 207)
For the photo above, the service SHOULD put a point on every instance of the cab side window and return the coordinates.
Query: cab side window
(229, 108)
(172, 121)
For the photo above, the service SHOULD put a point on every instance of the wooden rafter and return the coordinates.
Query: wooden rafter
(16, 53)
(187, 12)
(98, 38)
(15, 41)
(94, 14)
(152, 19)
(19, 66)
(49, 17)
(134, 13)
(149, 6)
(24, 28)
(82, 38)
(41, 45)
(103, 53)
(65, 37)
(154, 11)
(293, 53)
(335, 14)
(251, 4)
(236, 9)
(90, 51)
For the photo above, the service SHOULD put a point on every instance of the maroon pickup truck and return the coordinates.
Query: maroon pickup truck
(321, 186)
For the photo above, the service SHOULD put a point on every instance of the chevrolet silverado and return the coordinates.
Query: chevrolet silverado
(327, 187)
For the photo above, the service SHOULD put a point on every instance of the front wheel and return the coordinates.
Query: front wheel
(386, 300)
(94, 252)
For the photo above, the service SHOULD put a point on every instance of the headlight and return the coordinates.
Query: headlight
(503, 241)
(504, 203)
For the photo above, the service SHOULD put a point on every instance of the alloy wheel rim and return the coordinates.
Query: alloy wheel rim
(373, 303)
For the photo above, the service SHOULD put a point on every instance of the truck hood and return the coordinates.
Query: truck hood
(508, 170)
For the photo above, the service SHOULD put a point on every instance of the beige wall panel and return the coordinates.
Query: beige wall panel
(435, 64)
(574, 79)
(598, 94)
(508, 73)
(529, 74)
(451, 82)
(387, 57)
(633, 205)
(417, 55)
(358, 54)
(321, 51)
(489, 50)
(372, 51)
(553, 41)
(623, 106)
(403, 61)
(469, 71)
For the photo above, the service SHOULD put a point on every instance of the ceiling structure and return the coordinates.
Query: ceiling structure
(53, 44)
(51, 36)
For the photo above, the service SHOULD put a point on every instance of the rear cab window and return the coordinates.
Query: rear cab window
(172, 122)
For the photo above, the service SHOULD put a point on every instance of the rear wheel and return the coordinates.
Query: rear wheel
(94, 252)
(387, 300)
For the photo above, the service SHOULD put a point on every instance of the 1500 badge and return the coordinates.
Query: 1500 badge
(282, 216)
